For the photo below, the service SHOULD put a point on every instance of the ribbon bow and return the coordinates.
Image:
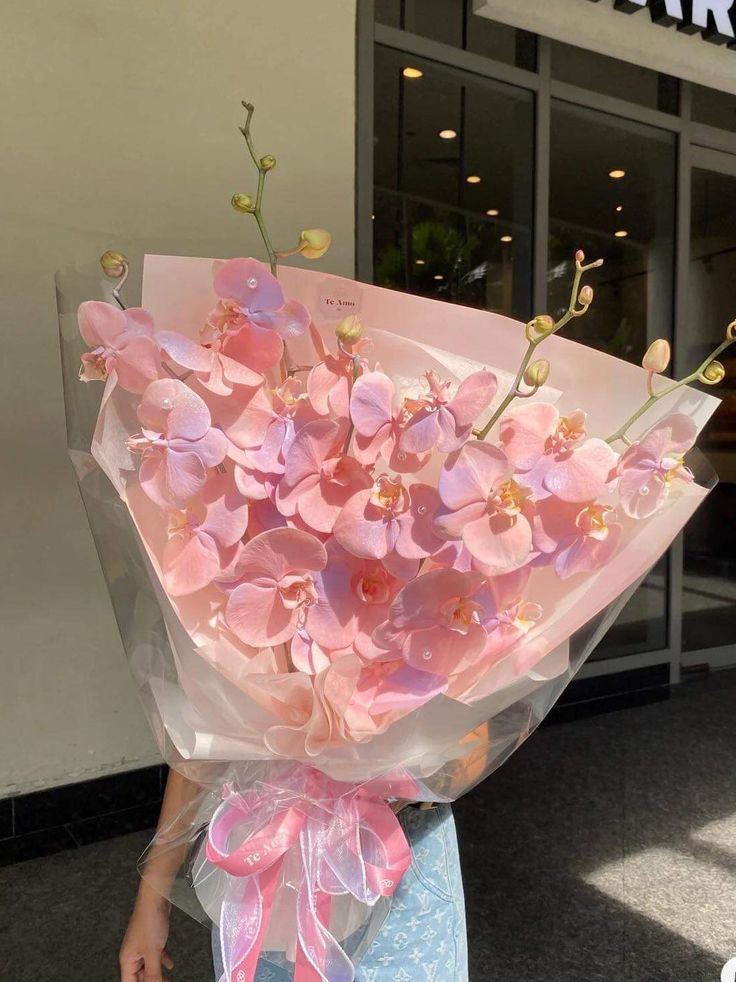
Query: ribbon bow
(347, 840)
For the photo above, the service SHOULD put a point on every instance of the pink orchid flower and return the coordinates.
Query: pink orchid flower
(378, 426)
(650, 466)
(279, 422)
(218, 365)
(177, 441)
(353, 597)
(203, 537)
(394, 688)
(122, 343)
(244, 420)
(577, 538)
(318, 478)
(330, 381)
(507, 615)
(552, 454)
(253, 314)
(309, 657)
(276, 586)
(436, 621)
(444, 422)
(486, 507)
(388, 517)
(262, 515)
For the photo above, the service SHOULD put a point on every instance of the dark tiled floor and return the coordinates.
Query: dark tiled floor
(605, 849)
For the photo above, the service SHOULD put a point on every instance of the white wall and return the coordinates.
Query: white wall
(119, 129)
(630, 37)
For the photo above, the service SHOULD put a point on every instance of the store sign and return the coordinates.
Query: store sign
(714, 20)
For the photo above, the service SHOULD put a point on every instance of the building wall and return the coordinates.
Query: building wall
(119, 130)
(630, 37)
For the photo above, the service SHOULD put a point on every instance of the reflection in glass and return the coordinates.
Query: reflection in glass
(709, 586)
(633, 290)
(609, 76)
(432, 231)
(713, 107)
(453, 22)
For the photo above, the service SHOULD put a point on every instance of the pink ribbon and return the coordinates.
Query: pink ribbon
(347, 841)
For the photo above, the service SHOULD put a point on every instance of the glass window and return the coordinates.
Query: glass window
(453, 22)
(453, 208)
(709, 587)
(714, 107)
(608, 176)
(389, 12)
(609, 76)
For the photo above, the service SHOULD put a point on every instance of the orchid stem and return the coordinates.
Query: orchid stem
(620, 433)
(573, 310)
(262, 171)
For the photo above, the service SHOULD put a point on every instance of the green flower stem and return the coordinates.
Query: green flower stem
(572, 311)
(257, 210)
(620, 433)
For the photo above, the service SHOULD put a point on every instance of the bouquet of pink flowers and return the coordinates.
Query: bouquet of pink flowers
(375, 563)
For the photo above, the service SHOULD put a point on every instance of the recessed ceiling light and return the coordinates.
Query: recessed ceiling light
(492, 212)
(473, 179)
(621, 233)
(419, 262)
(506, 238)
(410, 72)
(447, 134)
(438, 276)
(616, 173)
(619, 207)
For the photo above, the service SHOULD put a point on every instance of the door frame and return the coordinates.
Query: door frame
(706, 152)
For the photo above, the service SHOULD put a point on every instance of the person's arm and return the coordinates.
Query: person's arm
(143, 955)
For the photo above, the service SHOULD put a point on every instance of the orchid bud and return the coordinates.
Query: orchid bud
(541, 323)
(349, 329)
(579, 256)
(657, 357)
(114, 264)
(314, 242)
(585, 296)
(537, 373)
(243, 203)
(713, 373)
(268, 162)
(731, 331)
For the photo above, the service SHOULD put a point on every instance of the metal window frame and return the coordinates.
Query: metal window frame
(696, 144)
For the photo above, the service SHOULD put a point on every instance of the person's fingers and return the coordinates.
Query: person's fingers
(152, 971)
(130, 969)
(166, 960)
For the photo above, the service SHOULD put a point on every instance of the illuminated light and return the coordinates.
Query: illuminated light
(473, 179)
(506, 238)
(373, 217)
(492, 212)
(617, 173)
(438, 276)
(447, 134)
(410, 72)
(419, 262)
(619, 208)
(621, 233)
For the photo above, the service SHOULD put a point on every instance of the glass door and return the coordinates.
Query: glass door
(709, 554)
(612, 193)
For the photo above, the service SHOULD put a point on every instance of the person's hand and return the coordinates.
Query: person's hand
(143, 955)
